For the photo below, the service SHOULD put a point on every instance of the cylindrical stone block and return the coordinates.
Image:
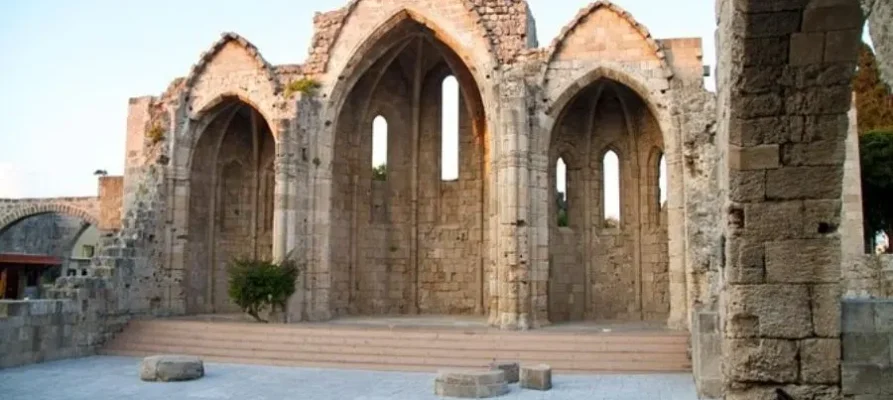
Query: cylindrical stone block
(536, 377)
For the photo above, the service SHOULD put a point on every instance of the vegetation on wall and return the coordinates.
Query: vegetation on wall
(876, 152)
(562, 209)
(255, 285)
(874, 102)
(874, 109)
(155, 133)
(303, 85)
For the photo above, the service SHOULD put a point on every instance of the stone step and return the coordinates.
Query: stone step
(411, 363)
(409, 348)
(332, 330)
(406, 349)
(471, 342)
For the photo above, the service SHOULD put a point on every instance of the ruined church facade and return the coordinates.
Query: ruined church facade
(249, 159)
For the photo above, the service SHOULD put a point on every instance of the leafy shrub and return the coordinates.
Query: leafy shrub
(380, 173)
(303, 85)
(255, 285)
(155, 133)
(876, 153)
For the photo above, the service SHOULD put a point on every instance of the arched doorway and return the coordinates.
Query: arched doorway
(38, 248)
(231, 197)
(409, 222)
(608, 241)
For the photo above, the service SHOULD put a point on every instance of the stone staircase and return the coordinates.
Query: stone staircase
(404, 349)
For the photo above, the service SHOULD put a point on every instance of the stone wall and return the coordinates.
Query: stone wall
(111, 195)
(867, 349)
(49, 234)
(43, 330)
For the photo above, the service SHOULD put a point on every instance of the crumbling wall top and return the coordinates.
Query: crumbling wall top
(226, 38)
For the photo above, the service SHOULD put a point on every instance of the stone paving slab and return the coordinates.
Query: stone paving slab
(108, 378)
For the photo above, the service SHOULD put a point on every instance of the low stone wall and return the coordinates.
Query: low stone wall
(867, 349)
(42, 330)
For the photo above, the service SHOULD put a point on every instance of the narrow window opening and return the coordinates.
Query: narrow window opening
(611, 177)
(449, 157)
(662, 182)
(561, 192)
(380, 149)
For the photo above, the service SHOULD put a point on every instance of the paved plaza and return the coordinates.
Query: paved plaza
(101, 378)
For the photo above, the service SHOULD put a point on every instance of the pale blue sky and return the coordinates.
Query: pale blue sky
(68, 68)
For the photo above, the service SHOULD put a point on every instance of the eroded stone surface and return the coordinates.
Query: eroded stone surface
(169, 368)
(536, 377)
(470, 384)
(511, 369)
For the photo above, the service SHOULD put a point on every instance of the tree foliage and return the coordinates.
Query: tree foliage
(876, 152)
(561, 201)
(380, 173)
(874, 102)
(255, 285)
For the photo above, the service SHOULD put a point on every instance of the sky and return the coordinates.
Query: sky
(69, 67)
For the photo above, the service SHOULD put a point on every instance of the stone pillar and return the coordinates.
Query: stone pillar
(511, 165)
(784, 90)
(859, 279)
(280, 201)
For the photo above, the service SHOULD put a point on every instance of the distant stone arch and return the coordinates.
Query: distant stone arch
(30, 210)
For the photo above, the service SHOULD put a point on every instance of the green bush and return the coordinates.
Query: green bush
(255, 285)
(380, 173)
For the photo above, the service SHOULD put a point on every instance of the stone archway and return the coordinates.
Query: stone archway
(227, 211)
(29, 210)
(412, 242)
(607, 263)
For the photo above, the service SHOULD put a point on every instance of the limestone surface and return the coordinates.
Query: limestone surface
(169, 368)
(536, 377)
(470, 384)
(511, 369)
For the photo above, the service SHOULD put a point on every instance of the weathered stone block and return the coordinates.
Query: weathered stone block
(536, 377)
(779, 311)
(754, 157)
(813, 392)
(760, 360)
(804, 183)
(883, 317)
(866, 379)
(826, 152)
(820, 361)
(780, 23)
(825, 300)
(868, 348)
(773, 220)
(832, 17)
(747, 186)
(510, 368)
(803, 261)
(168, 368)
(470, 384)
(807, 48)
(821, 218)
(858, 316)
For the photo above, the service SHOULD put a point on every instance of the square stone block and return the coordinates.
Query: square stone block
(470, 384)
(510, 368)
(536, 377)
